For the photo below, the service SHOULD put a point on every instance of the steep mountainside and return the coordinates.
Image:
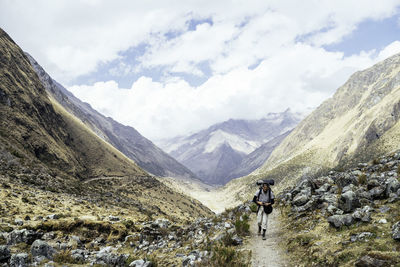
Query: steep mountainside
(126, 139)
(214, 153)
(257, 158)
(43, 145)
(355, 124)
(360, 122)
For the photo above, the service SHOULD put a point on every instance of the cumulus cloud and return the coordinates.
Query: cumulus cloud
(261, 56)
(298, 77)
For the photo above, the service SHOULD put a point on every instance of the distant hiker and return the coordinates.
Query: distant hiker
(264, 198)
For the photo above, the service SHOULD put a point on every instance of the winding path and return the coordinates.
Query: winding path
(266, 253)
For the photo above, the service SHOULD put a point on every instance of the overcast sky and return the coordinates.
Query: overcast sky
(172, 67)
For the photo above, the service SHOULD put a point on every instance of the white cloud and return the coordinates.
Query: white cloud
(298, 77)
(264, 56)
(389, 50)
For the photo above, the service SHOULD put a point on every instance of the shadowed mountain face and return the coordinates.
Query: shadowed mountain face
(126, 139)
(43, 145)
(230, 149)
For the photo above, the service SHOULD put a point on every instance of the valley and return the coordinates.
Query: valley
(79, 188)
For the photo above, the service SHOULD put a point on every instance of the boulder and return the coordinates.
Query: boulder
(161, 223)
(367, 261)
(21, 236)
(237, 241)
(141, 263)
(349, 201)
(377, 192)
(5, 253)
(392, 185)
(41, 248)
(19, 260)
(338, 221)
(396, 231)
(300, 199)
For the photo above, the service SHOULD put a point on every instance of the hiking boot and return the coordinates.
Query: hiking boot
(259, 230)
(263, 235)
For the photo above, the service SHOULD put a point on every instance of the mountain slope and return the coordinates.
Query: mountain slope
(257, 158)
(348, 124)
(126, 139)
(360, 122)
(202, 151)
(43, 145)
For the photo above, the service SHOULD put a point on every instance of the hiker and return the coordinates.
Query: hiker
(264, 198)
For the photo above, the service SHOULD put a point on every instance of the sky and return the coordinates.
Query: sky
(173, 67)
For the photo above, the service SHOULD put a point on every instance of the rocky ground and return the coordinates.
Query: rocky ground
(346, 217)
(43, 228)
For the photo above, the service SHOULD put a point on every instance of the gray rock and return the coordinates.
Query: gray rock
(19, 260)
(396, 231)
(237, 241)
(21, 236)
(161, 223)
(19, 222)
(300, 199)
(113, 218)
(392, 185)
(349, 201)
(324, 188)
(137, 263)
(41, 248)
(79, 254)
(330, 199)
(360, 237)
(367, 261)
(5, 253)
(105, 256)
(53, 216)
(377, 192)
(141, 263)
(338, 221)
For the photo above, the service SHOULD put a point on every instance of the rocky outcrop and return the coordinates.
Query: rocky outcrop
(347, 197)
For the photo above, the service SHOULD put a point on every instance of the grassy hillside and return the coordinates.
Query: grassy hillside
(43, 145)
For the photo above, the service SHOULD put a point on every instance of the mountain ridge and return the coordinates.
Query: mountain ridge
(206, 153)
(124, 138)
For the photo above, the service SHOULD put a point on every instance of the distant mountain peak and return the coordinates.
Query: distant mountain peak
(206, 152)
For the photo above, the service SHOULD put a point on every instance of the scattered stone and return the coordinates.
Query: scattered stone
(382, 221)
(237, 241)
(113, 218)
(5, 253)
(21, 236)
(349, 201)
(340, 220)
(367, 261)
(41, 248)
(19, 222)
(53, 217)
(396, 231)
(19, 260)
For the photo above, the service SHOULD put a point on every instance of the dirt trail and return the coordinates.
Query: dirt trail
(266, 253)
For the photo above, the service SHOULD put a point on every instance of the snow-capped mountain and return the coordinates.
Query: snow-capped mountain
(214, 153)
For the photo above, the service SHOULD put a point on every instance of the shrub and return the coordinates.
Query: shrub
(242, 227)
(362, 179)
(228, 256)
(65, 256)
(253, 207)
